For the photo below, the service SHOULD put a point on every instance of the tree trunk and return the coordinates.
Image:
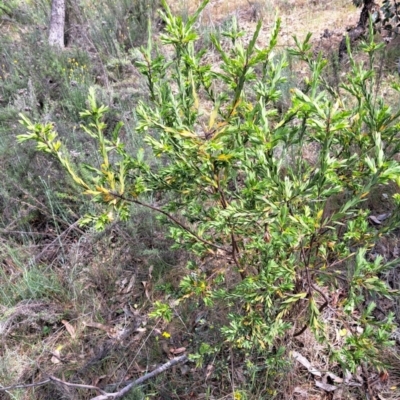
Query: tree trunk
(57, 22)
(359, 31)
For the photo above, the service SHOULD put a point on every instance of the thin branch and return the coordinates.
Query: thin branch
(172, 218)
(311, 286)
(104, 395)
(322, 294)
(23, 386)
(7, 232)
(235, 247)
(235, 251)
(137, 382)
(57, 239)
(76, 385)
(341, 260)
(320, 309)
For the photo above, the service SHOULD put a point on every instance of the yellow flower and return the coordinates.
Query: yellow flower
(166, 335)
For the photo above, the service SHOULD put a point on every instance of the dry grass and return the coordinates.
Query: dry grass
(298, 16)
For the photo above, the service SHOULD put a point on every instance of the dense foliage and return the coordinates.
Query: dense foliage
(270, 202)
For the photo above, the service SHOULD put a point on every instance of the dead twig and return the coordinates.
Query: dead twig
(104, 395)
(137, 382)
(23, 386)
(77, 385)
(73, 226)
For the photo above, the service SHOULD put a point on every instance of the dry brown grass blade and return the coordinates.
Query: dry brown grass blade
(69, 328)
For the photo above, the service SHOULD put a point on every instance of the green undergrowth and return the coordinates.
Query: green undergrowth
(51, 85)
(250, 212)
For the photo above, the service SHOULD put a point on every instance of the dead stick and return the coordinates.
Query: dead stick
(137, 382)
(104, 395)
(22, 386)
(77, 385)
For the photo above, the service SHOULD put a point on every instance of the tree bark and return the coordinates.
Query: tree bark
(57, 23)
(359, 31)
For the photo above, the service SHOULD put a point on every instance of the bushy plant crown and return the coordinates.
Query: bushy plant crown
(281, 238)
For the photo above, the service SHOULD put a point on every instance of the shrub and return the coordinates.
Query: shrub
(272, 202)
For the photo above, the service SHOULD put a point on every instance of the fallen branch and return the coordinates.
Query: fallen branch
(104, 395)
(23, 386)
(77, 385)
(137, 382)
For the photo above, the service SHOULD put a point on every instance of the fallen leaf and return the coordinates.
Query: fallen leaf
(378, 219)
(347, 376)
(140, 333)
(303, 361)
(209, 370)
(325, 386)
(138, 368)
(56, 358)
(130, 285)
(98, 379)
(334, 377)
(147, 286)
(157, 332)
(122, 284)
(359, 374)
(185, 369)
(374, 219)
(384, 376)
(70, 329)
(97, 325)
(382, 217)
(178, 351)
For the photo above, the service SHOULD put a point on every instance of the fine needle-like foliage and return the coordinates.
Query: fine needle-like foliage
(280, 238)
